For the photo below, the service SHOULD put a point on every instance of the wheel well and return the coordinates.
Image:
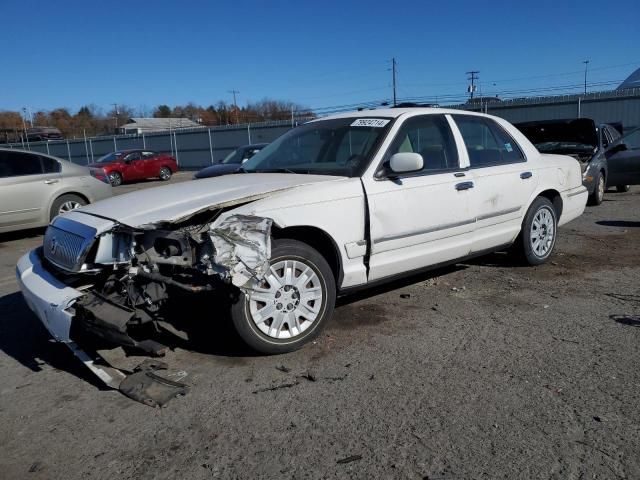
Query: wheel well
(318, 239)
(554, 197)
(84, 197)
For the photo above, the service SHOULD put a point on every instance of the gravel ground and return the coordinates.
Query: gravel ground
(483, 370)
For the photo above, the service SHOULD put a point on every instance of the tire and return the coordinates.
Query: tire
(539, 232)
(598, 194)
(165, 174)
(115, 179)
(623, 188)
(66, 203)
(284, 300)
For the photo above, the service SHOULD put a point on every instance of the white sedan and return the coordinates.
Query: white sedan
(337, 204)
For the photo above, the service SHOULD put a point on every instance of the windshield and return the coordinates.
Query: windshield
(340, 147)
(109, 157)
(233, 157)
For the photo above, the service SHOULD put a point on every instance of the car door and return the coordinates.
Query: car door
(422, 218)
(26, 188)
(134, 166)
(151, 163)
(503, 181)
(623, 160)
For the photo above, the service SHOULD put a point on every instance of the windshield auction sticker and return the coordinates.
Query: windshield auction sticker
(370, 122)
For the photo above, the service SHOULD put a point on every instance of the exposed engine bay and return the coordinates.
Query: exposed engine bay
(129, 275)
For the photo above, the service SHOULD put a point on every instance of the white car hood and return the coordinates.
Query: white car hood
(173, 202)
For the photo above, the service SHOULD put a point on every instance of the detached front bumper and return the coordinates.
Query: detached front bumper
(50, 299)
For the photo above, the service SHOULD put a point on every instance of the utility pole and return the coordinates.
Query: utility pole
(393, 70)
(235, 104)
(586, 64)
(115, 110)
(473, 76)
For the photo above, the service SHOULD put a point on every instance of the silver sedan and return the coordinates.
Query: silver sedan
(35, 187)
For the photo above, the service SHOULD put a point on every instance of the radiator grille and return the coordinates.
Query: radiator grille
(64, 249)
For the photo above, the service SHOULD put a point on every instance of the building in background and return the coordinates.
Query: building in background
(139, 125)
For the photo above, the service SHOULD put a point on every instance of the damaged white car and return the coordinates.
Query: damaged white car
(333, 205)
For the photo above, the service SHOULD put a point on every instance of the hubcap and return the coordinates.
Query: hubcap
(542, 232)
(164, 174)
(601, 187)
(114, 178)
(288, 300)
(68, 206)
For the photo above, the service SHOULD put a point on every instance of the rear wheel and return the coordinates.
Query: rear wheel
(291, 305)
(165, 174)
(623, 188)
(66, 203)
(115, 178)
(598, 194)
(539, 230)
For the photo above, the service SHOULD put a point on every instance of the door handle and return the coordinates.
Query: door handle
(525, 175)
(49, 182)
(464, 186)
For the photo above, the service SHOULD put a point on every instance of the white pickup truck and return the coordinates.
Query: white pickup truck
(336, 204)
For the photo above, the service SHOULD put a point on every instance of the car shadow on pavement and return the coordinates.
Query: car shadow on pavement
(23, 338)
(391, 285)
(21, 234)
(499, 260)
(629, 320)
(618, 223)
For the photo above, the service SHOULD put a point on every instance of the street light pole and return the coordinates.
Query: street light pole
(586, 64)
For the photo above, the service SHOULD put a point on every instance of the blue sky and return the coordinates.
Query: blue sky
(320, 53)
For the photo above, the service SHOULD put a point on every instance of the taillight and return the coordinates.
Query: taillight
(99, 173)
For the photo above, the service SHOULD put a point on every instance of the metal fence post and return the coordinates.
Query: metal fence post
(68, 151)
(249, 133)
(210, 146)
(144, 142)
(175, 143)
(91, 149)
(115, 145)
(48, 148)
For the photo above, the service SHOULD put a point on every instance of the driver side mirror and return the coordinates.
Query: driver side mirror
(405, 162)
(617, 147)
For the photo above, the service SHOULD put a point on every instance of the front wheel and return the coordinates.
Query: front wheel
(598, 194)
(623, 188)
(66, 203)
(539, 229)
(165, 174)
(290, 306)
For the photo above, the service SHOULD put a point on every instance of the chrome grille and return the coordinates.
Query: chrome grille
(65, 249)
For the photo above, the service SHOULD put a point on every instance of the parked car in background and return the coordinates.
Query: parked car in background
(232, 162)
(41, 134)
(130, 165)
(337, 204)
(583, 140)
(35, 187)
(623, 158)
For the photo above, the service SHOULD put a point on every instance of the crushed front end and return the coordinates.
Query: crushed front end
(94, 276)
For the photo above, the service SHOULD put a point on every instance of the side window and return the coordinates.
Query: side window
(431, 137)
(632, 141)
(487, 143)
(49, 165)
(133, 156)
(148, 155)
(16, 164)
(605, 137)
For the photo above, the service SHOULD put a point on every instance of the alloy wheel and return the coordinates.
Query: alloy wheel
(68, 206)
(287, 301)
(543, 232)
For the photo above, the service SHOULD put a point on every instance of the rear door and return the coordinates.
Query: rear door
(151, 163)
(27, 184)
(503, 181)
(623, 160)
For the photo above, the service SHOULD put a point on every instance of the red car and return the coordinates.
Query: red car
(128, 165)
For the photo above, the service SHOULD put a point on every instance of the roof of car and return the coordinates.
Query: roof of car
(397, 112)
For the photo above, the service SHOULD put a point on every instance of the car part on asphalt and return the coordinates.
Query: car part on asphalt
(145, 386)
